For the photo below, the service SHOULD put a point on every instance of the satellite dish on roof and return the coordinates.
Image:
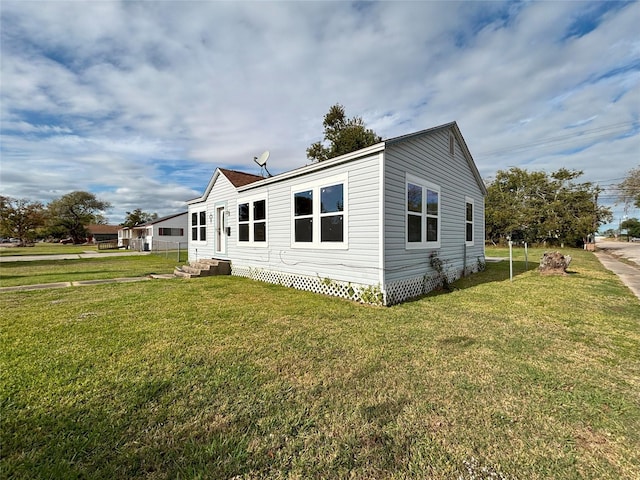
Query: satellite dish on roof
(262, 161)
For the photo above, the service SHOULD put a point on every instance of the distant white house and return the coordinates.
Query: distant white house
(162, 233)
(371, 225)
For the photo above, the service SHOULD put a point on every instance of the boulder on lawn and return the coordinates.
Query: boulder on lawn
(554, 263)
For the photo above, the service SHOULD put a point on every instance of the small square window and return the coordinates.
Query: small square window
(260, 232)
(304, 203)
(304, 230)
(331, 228)
(243, 232)
(414, 233)
(414, 198)
(243, 212)
(331, 199)
(259, 210)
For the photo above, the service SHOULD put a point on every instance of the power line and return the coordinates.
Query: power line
(590, 134)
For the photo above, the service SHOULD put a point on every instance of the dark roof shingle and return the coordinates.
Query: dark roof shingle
(240, 179)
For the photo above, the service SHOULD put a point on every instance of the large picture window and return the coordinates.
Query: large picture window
(422, 213)
(319, 215)
(252, 221)
(199, 226)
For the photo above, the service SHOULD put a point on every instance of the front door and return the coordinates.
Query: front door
(221, 237)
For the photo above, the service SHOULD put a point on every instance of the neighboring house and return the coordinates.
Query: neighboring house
(370, 225)
(163, 233)
(100, 232)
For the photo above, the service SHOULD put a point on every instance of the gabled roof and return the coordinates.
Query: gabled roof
(237, 179)
(378, 147)
(246, 181)
(453, 126)
(240, 179)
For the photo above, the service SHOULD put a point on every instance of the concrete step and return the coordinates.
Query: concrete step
(204, 267)
(178, 272)
(196, 271)
(223, 266)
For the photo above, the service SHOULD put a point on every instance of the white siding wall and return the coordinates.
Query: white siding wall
(359, 263)
(181, 221)
(222, 192)
(428, 157)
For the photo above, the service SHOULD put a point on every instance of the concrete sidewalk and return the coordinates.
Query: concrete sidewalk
(80, 283)
(67, 256)
(629, 274)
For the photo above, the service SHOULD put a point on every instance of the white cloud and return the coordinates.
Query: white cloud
(140, 101)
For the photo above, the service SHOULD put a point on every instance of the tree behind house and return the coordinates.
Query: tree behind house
(344, 135)
(629, 189)
(138, 217)
(72, 212)
(21, 218)
(539, 207)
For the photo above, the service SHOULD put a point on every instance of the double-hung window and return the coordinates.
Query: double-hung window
(252, 221)
(422, 213)
(320, 214)
(199, 226)
(468, 221)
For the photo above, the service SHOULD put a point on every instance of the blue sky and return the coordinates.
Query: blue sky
(139, 102)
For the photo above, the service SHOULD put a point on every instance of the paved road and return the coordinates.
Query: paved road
(609, 253)
(628, 250)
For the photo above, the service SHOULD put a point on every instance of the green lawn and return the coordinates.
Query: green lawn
(51, 271)
(224, 377)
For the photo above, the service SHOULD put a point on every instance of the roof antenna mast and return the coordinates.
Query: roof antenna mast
(262, 161)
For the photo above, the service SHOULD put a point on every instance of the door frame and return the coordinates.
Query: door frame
(220, 225)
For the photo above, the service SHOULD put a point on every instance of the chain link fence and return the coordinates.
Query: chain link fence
(175, 250)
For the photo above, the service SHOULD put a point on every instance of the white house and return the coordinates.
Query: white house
(370, 225)
(160, 234)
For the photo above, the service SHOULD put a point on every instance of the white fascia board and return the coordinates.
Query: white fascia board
(205, 195)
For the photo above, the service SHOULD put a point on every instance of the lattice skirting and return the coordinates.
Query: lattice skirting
(402, 290)
(353, 291)
(395, 292)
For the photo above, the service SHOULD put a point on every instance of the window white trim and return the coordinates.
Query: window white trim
(424, 215)
(200, 226)
(316, 215)
(251, 201)
(469, 223)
